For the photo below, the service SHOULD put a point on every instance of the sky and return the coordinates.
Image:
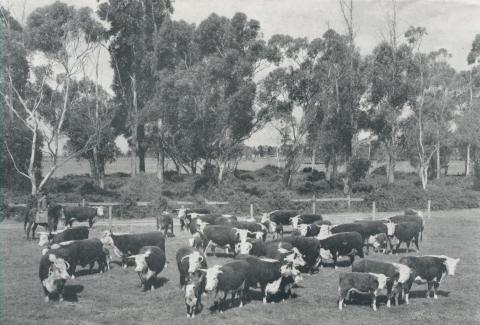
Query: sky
(450, 24)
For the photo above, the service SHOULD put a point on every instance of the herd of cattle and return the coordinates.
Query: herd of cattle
(273, 265)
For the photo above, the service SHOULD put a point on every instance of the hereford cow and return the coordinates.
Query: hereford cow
(53, 275)
(405, 232)
(370, 283)
(341, 244)
(81, 214)
(304, 219)
(149, 262)
(189, 260)
(194, 289)
(429, 268)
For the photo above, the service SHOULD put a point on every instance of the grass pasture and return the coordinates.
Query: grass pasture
(115, 298)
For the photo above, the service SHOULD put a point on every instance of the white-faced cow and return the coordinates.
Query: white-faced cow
(53, 275)
(304, 219)
(397, 273)
(149, 262)
(405, 232)
(431, 269)
(229, 278)
(370, 283)
(194, 289)
(223, 236)
(184, 214)
(189, 260)
(341, 244)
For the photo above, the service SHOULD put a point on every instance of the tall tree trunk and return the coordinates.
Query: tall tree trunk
(134, 128)
(390, 167)
(142, 148)
(424, 174)
(467, 161)
(160, 167)
(221, 171)
(314, 151)
(333, 175)
(438, 161)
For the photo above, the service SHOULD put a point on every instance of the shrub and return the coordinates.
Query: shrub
(243, 175)
(316, 176)
(252, 190)
(362, 186)
(381, 171)
(307, 170)
(173, 176)
(358, 168)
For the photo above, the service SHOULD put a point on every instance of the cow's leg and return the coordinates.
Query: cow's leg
(408, 245)
(389, 244)
(398, 247)
(33, 229)
(46, 293)
(429, 289)
(416, 243)
(91, 267)
(435, 288)
(335, 257)
(29, 226)
(264, 293)
(71, 270)
(389, 294)
(365, 242)
(374, 301)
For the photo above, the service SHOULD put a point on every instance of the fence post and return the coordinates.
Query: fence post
(374, 208)
(83, 202)
(348, 201)
(314, 204)
(110, 217)
(251, 210)
(429, 207)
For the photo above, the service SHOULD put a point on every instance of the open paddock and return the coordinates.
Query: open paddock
(116, 298)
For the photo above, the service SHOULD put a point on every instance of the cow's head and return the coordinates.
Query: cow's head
(242, 234)
(255, 234)
(294, 257)
(303, 229)
(325, 231)
(271, 226)
(325, 254)
(140, 261)
(193, 289)
(99, 211)
(201, 226)
(451, 264)
(391, 228)
(44, 238)
(211, 275)
(194, 261)
(58, 267)
(107, 238)
(294, 221)
(265, 218)
(243, 248)
(404, 272)
(382, 280)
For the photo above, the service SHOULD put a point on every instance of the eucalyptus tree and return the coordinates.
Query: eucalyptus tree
(63, 36)
(133, 27)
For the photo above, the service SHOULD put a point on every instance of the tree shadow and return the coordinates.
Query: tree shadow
(70, 292)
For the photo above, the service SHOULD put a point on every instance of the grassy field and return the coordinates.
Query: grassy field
(115, 298)
(122, 165)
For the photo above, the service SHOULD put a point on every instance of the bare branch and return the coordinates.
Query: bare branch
(13, 161)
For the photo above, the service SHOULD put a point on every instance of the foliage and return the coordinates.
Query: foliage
(357, 169)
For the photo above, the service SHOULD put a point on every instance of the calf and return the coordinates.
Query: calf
(81, 252)
(304, 219)
(405, 232)
(129, 244)
(229, 278)
(149, 262)
(429, 268)
(81, 214)
(193, 293)
(165, 222)
(189, 260)
(53, 275)
(268, 273)
(372, 228)
(398, 275)
(341, 244)
(75, 233)
(379, 242)
(370, 283)
(223, 236)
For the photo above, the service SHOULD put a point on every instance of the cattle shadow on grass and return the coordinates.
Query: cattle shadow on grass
(365, 299)
(84, 272)
(223, 255)
(256, 295)
(423, 293)
(70, 292)
(404, 250)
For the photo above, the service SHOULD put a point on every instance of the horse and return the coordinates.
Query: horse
(54, 214)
